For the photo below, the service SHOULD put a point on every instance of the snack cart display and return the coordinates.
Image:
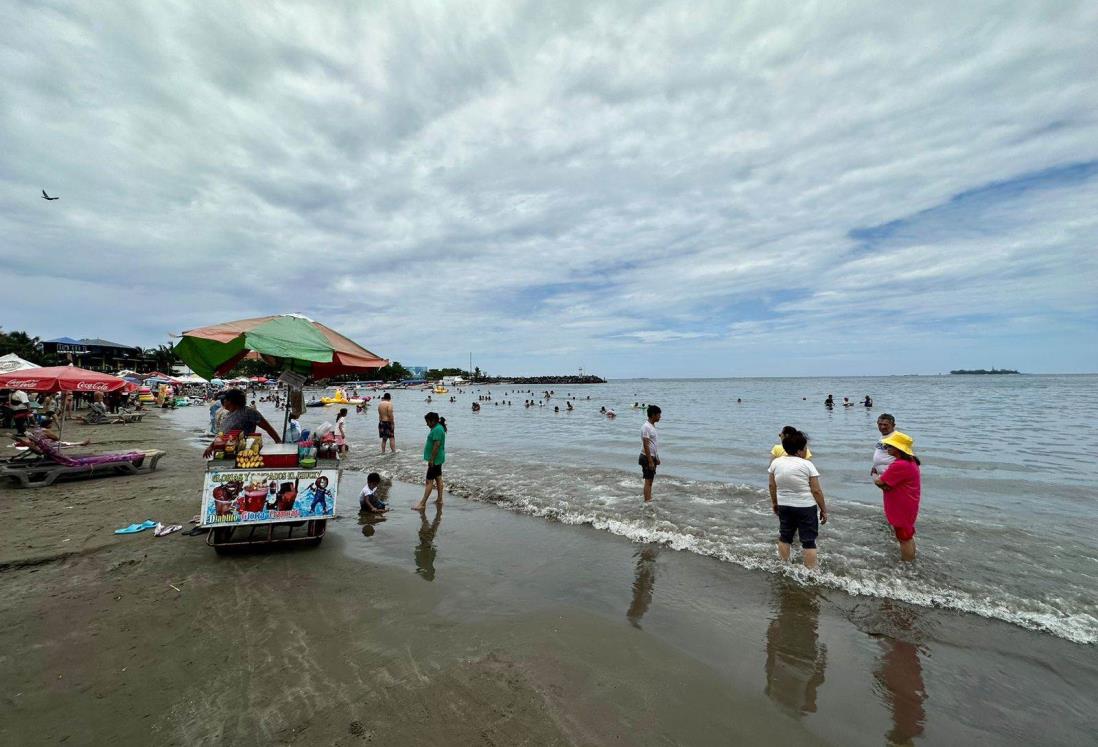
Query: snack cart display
(274, 493)
(256, 492)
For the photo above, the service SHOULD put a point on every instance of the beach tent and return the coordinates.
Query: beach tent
(12, 362)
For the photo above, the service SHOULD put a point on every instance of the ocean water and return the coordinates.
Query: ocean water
(1009, 480)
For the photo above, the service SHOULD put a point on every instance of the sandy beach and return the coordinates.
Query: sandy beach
(476, 626)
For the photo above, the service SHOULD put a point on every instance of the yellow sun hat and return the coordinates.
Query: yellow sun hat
(901, 441)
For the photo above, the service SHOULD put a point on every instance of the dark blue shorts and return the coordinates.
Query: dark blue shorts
(800, 520)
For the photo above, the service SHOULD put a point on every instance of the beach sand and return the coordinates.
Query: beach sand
(476, 627)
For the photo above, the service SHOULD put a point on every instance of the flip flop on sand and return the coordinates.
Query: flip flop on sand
(164, 531)
(196, 519)
(135, 528)
(195, 531)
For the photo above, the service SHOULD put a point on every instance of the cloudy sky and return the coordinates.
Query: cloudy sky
(640, 189)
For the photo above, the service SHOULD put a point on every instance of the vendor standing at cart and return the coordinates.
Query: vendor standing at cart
(238, 417)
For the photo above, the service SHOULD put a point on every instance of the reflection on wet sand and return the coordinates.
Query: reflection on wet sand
(899, 675)
(426, 550)
(369, 521)
(643, 584)
(795, 659)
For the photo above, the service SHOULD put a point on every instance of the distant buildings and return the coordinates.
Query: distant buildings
(98, 355)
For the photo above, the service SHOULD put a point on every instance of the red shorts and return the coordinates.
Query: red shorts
(904, 533)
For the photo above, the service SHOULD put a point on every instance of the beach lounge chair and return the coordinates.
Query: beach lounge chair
(52, 464)
(99, 418)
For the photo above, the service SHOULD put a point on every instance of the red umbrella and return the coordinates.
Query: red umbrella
(63, 379)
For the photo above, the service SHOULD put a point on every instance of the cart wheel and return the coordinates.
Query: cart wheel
(222, 536)
(221, 549)
(316, 528)
(314, 542)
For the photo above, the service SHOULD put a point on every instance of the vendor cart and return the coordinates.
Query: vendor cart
(262, 495)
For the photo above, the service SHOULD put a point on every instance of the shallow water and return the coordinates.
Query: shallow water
(1001, 532)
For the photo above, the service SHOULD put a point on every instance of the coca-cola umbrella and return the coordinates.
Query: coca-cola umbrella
(63, 379)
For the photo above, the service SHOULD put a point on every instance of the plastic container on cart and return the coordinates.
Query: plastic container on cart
(280, 455)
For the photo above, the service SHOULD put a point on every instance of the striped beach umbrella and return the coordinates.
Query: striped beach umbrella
(290, 341)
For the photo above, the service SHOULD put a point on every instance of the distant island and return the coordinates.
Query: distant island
(542, 380)
(984, 371)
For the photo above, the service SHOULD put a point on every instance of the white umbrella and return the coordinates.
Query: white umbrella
(12, 362)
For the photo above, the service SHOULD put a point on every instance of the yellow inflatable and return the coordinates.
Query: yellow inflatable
(440, 389)
(340, 398)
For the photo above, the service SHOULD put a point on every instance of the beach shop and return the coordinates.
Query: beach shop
(256, 492)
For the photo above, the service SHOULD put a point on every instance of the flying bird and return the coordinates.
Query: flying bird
(47, 197)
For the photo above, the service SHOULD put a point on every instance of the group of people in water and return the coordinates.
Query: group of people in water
(796, 496)
(829, 403)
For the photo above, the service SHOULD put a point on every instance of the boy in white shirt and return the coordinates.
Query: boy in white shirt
(373, 495)
(650, 450)
(795, 496)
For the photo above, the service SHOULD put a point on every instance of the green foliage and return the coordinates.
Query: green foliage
(433, 374)
(253, 368)
(22, 345)
(162, 356)
(393, 372)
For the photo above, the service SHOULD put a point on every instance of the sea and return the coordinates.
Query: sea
(1009, 477)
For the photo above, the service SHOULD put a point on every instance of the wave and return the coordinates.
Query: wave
(733, 524)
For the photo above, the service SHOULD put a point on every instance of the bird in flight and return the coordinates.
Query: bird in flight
(47, 197)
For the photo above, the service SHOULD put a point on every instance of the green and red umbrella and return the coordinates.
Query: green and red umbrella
(292, 341)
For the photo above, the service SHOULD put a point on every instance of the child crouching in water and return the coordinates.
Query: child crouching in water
(373, 495)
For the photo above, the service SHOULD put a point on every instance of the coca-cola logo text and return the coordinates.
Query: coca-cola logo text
(22, 383)
(85, 387)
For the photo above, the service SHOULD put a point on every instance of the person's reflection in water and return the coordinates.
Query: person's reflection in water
(899, 676)
(644, 583)
(795, 659)
(369, 521)
(426, 550)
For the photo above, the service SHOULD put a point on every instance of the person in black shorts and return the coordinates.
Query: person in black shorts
(434, 453)
(650, 450)
(796, 497)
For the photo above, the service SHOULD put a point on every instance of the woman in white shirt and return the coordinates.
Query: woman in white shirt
(796, 496)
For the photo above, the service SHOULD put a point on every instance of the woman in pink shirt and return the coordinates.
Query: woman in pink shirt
(902, 489)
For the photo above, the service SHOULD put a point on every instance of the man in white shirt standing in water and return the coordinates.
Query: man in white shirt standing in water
(886, 424)
(650, 450)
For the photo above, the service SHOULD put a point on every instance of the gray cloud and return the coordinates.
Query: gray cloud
(639, 188)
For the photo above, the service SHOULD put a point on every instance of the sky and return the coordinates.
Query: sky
(634, 189)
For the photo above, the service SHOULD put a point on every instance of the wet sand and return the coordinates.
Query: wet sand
(474, 627)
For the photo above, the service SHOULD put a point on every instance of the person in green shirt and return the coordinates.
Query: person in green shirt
(434, 453)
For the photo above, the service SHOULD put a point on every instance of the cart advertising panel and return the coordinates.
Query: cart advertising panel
(238, 497)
